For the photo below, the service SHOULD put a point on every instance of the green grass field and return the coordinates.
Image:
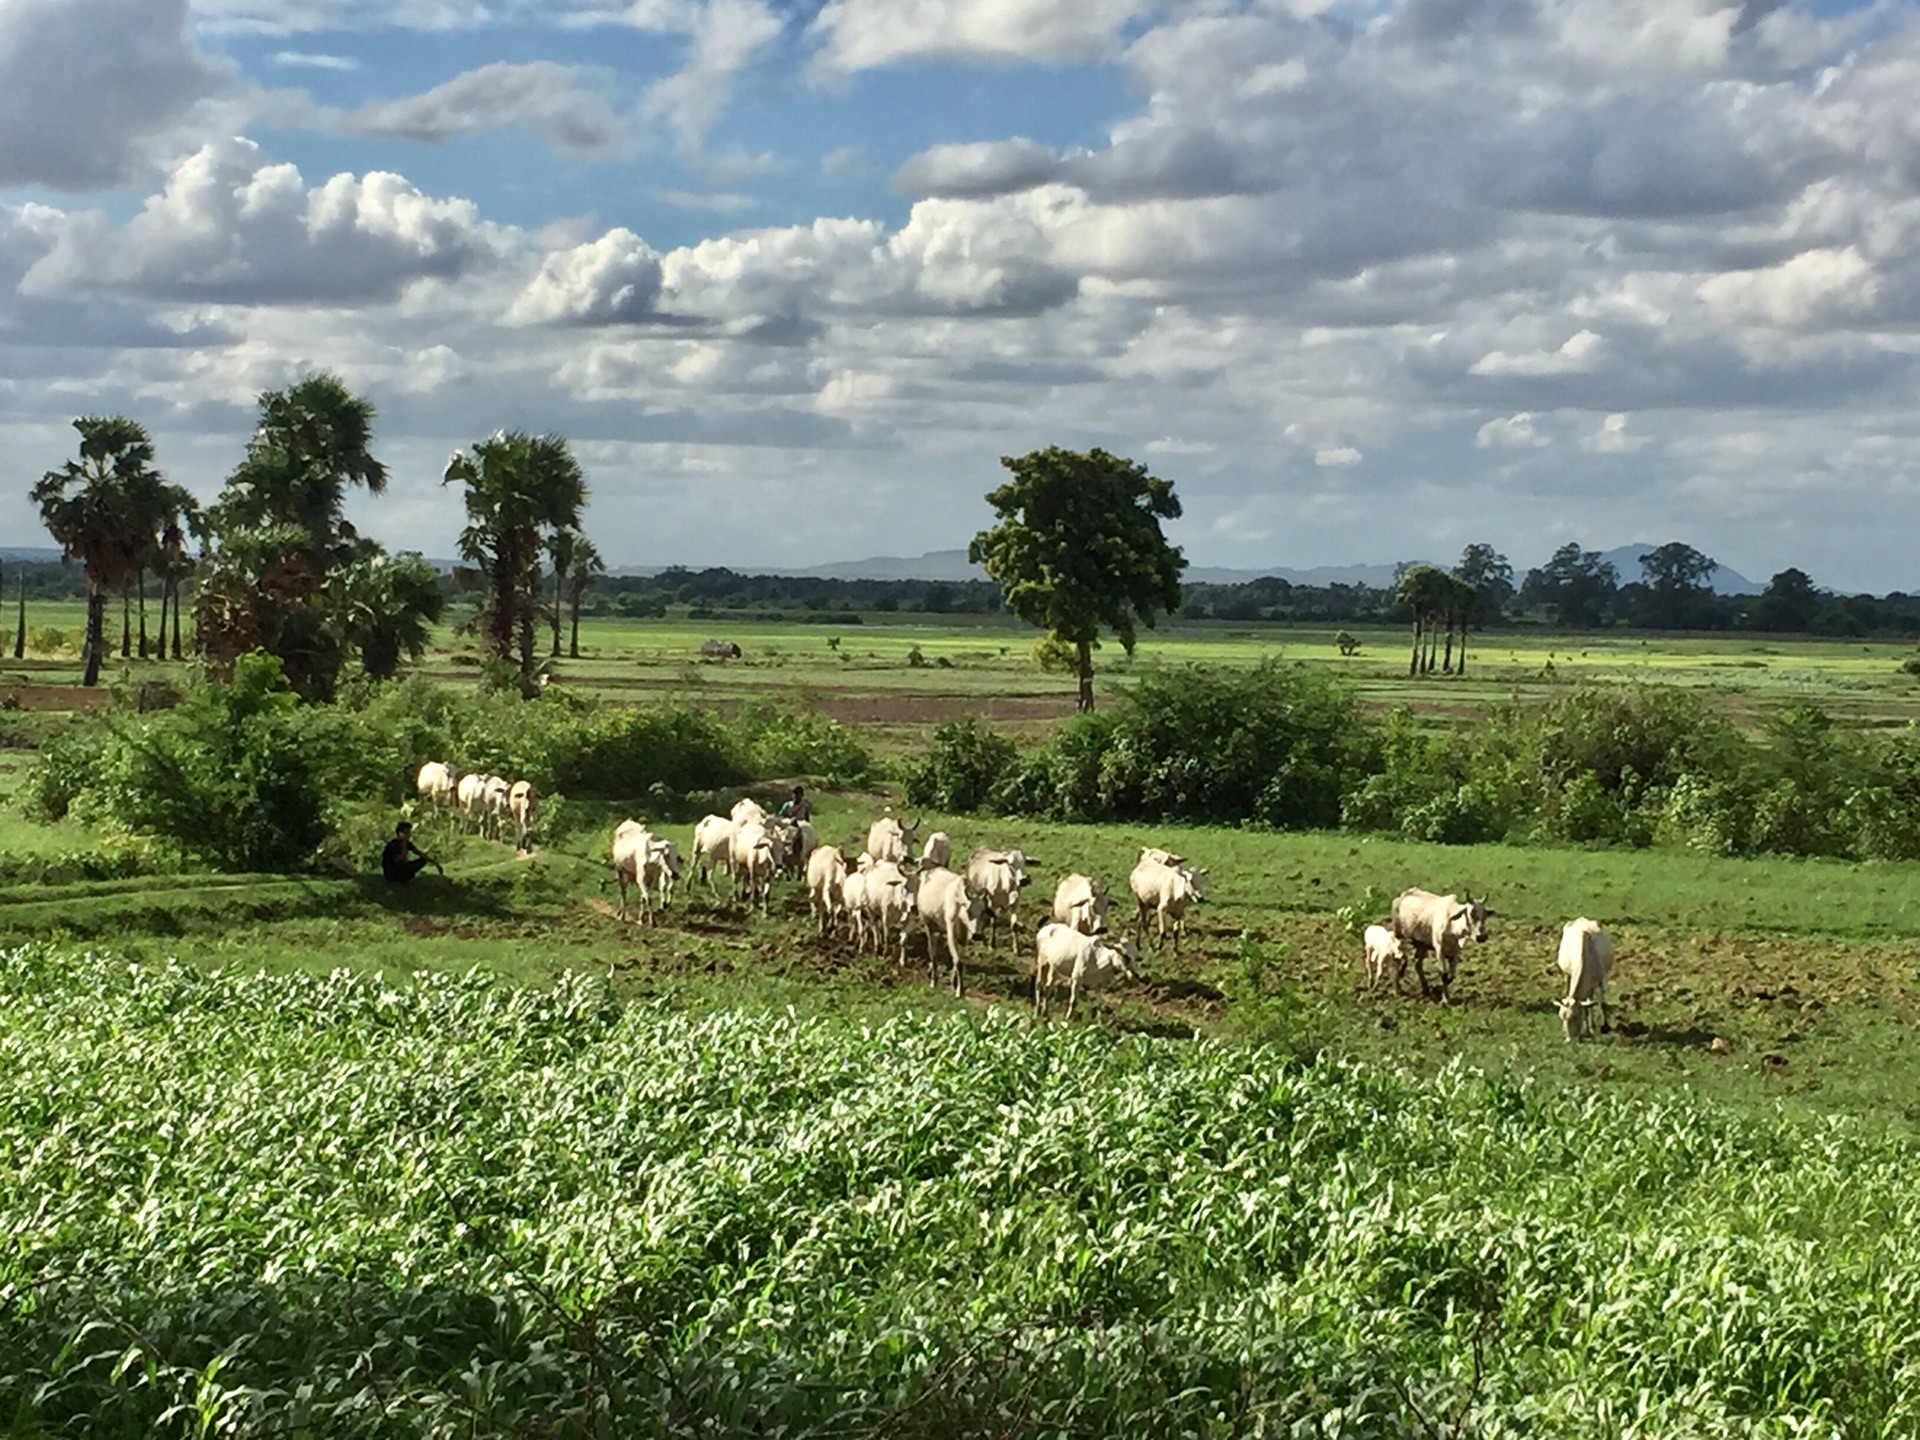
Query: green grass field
(729, 1169)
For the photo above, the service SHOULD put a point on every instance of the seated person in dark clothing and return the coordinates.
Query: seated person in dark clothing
(394, 863)
(798, 808)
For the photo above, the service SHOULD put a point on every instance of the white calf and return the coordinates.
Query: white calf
(1586, 955)
(1085, 964)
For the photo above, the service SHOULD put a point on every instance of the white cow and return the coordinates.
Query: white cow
(949, 910)
(523, 803)
(853, 896)
(470, 793)
(938, 849)
(1163, 892)
(631, 842)
(889, 839)
(1438, 925)
(436, 784)
(663, 869)
(713, 848)
(746, 808)
(1586, 958)
(887, 904)
(1082, 903)
(826, 885)
(497, 803)
(1085, 964)
(999, 875)
(754, 860)
(1383, 950)
(1158, 856)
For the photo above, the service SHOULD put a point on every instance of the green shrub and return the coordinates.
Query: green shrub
(962, 769)
(235, 776)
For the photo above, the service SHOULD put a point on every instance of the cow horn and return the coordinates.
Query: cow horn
(916, 822)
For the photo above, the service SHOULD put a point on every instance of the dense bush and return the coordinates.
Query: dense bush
(1278, 744)
(235, 776)
(243, 777)
(1283, 746)
(960, 771)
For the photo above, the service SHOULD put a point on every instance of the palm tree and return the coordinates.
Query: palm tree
(390, 604)
(582, 574)
(283, 531)
(1414, 590)
(181, 516)
(520, 489)
(99, 508)
(560, 550)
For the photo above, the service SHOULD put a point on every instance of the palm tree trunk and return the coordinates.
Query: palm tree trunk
(1085, 703)
(96, 631)
(143, 612)
(175, 581)
(20, 626)
(1413, 665)
(126, 623)
(557, 578)
(1446, 667)
(1463, 646)
(573, 643)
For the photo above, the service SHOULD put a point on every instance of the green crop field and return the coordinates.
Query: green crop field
(313, 1155)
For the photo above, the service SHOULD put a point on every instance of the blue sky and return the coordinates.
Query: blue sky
(1367, 281)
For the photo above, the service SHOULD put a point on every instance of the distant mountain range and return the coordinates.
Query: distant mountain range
(952, 565)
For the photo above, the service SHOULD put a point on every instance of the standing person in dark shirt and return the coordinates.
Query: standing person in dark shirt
(394, 863)
(797, 809)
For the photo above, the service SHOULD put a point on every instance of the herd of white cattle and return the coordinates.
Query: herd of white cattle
(876, 899)
(487, 803)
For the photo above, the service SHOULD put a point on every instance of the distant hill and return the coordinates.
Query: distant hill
(1626, 560)
(30, 554)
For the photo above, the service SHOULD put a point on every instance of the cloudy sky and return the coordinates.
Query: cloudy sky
(1366, 280)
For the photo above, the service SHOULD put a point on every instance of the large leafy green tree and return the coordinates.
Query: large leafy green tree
(520, 490)
(283, 532)
(1679, 592)
(1789, 603)
(102, 508)
(1079, 549)
(1576, 585)
(1491, 576)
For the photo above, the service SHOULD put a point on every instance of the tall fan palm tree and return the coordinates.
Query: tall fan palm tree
(283, 531)
(181, 517)
(582, 574)
(560, 547)
(100, 508)
(520, 489)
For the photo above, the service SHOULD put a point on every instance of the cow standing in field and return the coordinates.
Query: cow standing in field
(1085, 964)
(951, 911)
(826, 885)
(630, 844)
(1586, 958)
(713, 849)
(1437, 925)
(523, 803)
(470, 794)
(1164, 891)
(437, 784)
(999, 875)
(887, 895)
(753, 861)
(938, 850)
(1082, 903)
(889, 839)
(496, 802)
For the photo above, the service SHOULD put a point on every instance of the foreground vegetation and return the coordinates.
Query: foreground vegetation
(336, 1206)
